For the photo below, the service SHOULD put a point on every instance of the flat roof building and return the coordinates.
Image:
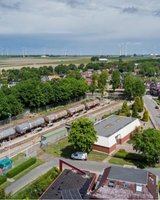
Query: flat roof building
(114, 130)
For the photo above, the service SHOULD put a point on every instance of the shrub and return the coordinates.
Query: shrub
(13, 172)
(145, 116)
(2, 179)
(36, 189)
(129, 156)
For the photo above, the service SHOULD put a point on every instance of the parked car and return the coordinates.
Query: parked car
(79, 156)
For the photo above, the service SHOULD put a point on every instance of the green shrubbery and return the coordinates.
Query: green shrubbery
(36, 189)
(2, 179)
(129, 156)
(13, 172)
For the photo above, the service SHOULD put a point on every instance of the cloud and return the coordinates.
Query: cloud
(82, 19)
(156, 13)
(130, 10)
(11, 5)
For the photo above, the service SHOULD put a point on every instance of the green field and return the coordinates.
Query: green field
(64, 149)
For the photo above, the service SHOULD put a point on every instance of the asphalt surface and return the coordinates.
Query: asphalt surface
(154, 113)
(93, 166)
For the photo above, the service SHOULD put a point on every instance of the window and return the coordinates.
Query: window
(138, 188)
(111, 184)
(126, 185)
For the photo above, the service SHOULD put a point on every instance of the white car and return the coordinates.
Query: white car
(79, 156)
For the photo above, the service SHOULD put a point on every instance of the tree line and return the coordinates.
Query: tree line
(34, 94)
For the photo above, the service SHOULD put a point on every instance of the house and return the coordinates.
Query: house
(126, 183)
(114, 130)
(50, 77)
(70, 184)
(155, 88)
(103, 59)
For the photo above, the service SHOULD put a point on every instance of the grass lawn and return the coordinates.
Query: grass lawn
(97, 156)
(64, 149)
(120, 161)
(123, 157)
(18, 159)
(4, 185)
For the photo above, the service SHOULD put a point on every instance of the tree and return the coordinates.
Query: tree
(133, 86)
(82, 135)
(74, 74)
(128, 85)
(138, 87)
(147, 144)
(142, 104)
(125, 111)
(138, 104)
(135, 111)
(15, 106)
(94, 58)
(102, 80)
(115, 79)
(145, 116)
(93, 85)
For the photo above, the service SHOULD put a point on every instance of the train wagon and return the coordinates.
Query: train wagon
(76, 109)
(39, 122)
(6, 133)
(91, 104)
(55, 116)
(28, 126)
(23, 128)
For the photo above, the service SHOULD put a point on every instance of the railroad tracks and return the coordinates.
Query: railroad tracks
(36, 137)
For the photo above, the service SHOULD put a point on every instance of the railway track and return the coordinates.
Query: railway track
(36, 137)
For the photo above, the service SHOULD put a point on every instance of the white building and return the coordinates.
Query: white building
(103, 59)
(114, 130)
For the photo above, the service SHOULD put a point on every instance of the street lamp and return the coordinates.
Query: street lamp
(9, 117)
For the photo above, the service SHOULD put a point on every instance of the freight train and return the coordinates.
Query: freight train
(48, 120)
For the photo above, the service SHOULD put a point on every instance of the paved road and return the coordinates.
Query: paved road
(154, 113)
(85, 165)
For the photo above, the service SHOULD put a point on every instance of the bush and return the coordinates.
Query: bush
(129, 156)
(145, 116)
(2, 179)
(36, 189)
(13, 172)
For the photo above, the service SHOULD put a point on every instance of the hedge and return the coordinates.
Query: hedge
(2, 179)
(13, 172)
(37, 187)
(129, 156)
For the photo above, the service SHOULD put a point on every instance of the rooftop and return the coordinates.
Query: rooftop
(128, 174)
(69, 185)
(120, 176)
(112, 124)
(106, 192)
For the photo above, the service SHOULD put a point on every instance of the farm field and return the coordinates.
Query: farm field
(19, 62)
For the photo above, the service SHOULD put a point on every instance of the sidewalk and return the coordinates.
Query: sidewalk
(31, 176)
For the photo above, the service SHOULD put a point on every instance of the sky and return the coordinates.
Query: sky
(79, 27)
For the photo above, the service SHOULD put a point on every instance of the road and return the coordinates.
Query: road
(93, 166)
(154, 113)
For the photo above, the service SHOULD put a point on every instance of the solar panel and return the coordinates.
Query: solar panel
(71, 194)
